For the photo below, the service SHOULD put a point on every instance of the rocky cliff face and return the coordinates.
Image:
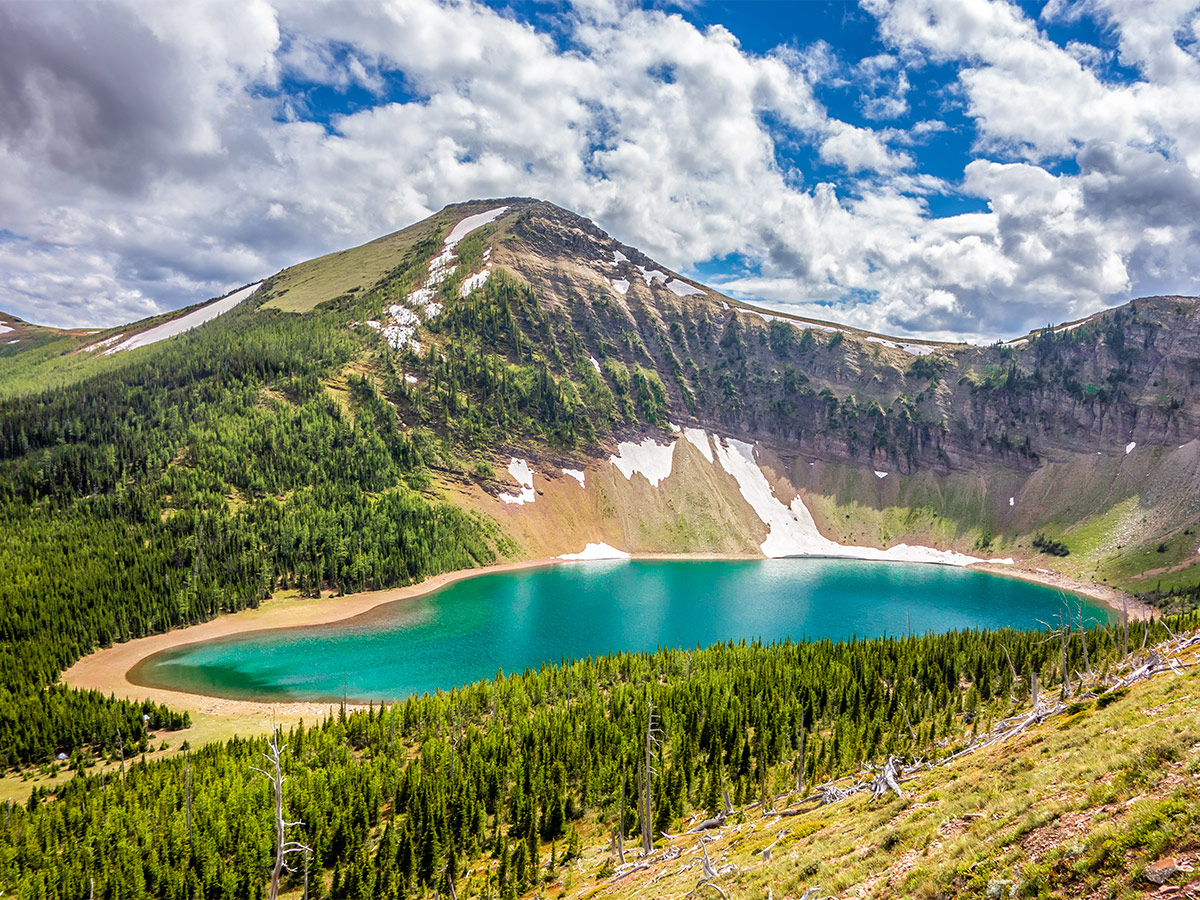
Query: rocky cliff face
(809, 387)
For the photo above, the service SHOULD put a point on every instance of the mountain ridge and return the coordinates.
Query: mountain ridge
(590, 343)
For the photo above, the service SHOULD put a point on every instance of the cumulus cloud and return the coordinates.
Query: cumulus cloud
(155, 154)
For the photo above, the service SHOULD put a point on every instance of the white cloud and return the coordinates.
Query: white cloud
(151, 154)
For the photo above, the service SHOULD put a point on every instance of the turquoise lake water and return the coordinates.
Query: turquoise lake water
(511, 621)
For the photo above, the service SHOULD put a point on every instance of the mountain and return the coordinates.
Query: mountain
(505, 381)
(514, 333)
(1078, 431)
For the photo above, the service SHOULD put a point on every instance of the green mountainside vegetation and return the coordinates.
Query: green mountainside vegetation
(195, 479)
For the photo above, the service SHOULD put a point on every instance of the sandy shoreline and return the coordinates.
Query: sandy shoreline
(108, 669)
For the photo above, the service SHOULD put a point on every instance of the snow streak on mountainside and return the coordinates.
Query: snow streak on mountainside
(176, 326)
(400, 323)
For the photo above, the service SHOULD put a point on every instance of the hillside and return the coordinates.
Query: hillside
(518, 787)
(1082, 432)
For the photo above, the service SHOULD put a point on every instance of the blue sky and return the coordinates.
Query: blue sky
(949, 168)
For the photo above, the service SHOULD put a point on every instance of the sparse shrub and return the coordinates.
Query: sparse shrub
(1049, 545)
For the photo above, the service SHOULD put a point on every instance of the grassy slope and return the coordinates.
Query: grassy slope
(1075, 807)
(302, 287)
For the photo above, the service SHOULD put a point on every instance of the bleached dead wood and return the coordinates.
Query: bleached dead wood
(709, 876)
(283, 847)
(629, 869)
(886, 779)
(715, 822)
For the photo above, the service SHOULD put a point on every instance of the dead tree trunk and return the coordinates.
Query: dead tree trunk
(283, 847)
(1064, 636)
(1087, 662)
(887, 779)
(621, 823)
(651, 739)
(187, 788)
(800, 763)
(1033, 688)
(907, 721)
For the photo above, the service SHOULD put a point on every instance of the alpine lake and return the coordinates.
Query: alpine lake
(477, 627)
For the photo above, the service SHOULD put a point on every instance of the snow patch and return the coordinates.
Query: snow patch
(1129, 447)
(673, 427)
(596, 551)
(470, 223)
(652, 460)
(475, 281)
(1012, 501)
(792, 531)
(402, 332)
(621, 285)
(595, 365)
(652, 275)
(682, 288)
(698, 438)
(4, 329)
(184, 323)
(914, 349)
(523, 475)
(618, 257)
(107, 342)
(411, 379)
(879, 474)
(576, 474)
(15, 341)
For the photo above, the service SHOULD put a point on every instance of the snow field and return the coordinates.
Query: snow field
(523, 475)
(682, 288)
(650, 459)
(698, 438)
(792, 531)
(596, 551)
(184, 323)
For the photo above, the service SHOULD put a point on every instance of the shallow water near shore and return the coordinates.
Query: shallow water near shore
(510, 621)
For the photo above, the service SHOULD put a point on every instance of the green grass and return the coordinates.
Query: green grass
(303, 287)
(1080, 805)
